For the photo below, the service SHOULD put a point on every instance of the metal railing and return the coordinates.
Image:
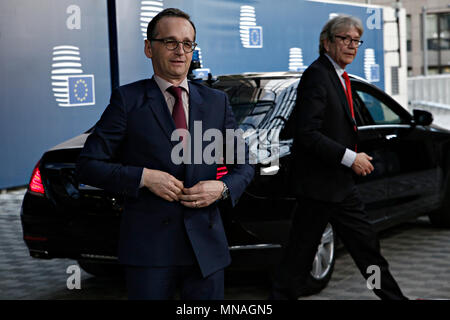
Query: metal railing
(441, 112)
(430, 88)
(431, 93)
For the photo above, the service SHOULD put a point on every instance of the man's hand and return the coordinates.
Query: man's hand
(202, 194)
(362, 166)
(163, 184)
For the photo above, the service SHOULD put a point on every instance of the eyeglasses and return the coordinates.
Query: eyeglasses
(170, 44)
(347, 40)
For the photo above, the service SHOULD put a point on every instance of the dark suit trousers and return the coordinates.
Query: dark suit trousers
(161, 283)
(350, 222)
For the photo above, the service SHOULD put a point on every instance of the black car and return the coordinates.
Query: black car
(62, 218)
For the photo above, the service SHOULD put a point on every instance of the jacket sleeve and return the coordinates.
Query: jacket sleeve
(240, 171)
(98, 164)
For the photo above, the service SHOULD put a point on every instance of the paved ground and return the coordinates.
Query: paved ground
(419, 256)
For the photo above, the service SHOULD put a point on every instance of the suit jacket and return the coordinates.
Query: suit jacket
(324, 129)
(135, 132)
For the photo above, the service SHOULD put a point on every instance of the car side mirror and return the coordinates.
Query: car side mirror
(422, 117)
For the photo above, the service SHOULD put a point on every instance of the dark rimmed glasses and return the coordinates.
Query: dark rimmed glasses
(171, 44)
(347, 40)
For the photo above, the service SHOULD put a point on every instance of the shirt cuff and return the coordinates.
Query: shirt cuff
(348, 158)
(141, 184)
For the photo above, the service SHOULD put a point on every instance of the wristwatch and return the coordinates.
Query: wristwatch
(225, 192)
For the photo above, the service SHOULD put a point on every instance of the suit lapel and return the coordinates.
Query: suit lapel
(338, 86)
(195, 107)
(196, 110)
(159, 107)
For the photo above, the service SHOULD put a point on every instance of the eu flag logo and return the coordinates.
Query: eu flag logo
(81, 90)
(255, 37)
(374, 73)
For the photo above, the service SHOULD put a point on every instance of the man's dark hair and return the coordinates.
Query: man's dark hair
(169, 12)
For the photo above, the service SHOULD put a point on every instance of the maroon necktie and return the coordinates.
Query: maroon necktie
(348, 93)
(178, 111)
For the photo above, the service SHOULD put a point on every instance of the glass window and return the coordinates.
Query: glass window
(433, 70)
(410, 72)
(250, 115)
(445, 70)
(444, 26)
(438, 31)
(432, 26)
(432, 32)
(249, 99)
(380, 112)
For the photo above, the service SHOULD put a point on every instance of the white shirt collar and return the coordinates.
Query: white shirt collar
(337, 67)
(164, 84)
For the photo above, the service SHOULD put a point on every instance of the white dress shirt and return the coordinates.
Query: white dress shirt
(349, 155)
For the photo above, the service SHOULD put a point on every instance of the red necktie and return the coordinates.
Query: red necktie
(348, 94)
(178, 111)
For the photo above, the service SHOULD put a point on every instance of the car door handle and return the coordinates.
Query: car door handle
(390, 136)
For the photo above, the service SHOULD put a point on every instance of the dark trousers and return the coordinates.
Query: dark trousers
(350, 222)
(161, 283)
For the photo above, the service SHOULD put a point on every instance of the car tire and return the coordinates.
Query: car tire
(323, 265)
(441, 217)
(100, 269)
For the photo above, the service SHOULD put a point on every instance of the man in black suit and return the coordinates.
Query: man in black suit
(171, 233)
(325, 162)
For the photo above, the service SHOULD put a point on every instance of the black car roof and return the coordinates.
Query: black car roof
(266, 75)
(273, 75)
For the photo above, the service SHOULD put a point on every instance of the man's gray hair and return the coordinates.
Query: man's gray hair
(338, 24)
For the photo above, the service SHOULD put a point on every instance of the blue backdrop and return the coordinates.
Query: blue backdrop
(32, 34)
(285, 24)
(55, 63)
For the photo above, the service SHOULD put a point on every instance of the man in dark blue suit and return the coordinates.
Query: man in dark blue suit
(171, 233)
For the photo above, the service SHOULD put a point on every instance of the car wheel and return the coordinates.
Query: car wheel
(100, 269)
(323, 264)
(441, 216)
